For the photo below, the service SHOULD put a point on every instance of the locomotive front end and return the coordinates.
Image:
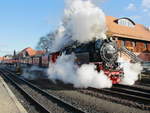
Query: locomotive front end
(108, 52)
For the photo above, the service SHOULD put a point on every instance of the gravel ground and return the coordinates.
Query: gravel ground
(86, 100)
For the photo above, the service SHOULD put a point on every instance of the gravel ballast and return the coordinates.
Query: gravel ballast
(84, 99)
(87, 100)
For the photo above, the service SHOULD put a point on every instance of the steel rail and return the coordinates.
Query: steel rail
(124, 95)
(26, 95)
(132, 88)
(49, 96)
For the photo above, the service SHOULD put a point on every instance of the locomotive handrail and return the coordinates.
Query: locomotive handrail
(131, 54)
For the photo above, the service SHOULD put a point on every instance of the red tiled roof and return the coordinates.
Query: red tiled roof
(1, 58)
(137, 32)
(39, 52)
(31, 52)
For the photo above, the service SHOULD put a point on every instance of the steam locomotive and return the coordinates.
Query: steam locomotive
(102, 53)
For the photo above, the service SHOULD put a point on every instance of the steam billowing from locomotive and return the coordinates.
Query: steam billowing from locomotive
(131, 71)
(84, 22)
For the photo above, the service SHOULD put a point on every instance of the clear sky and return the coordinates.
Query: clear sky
(23, 22)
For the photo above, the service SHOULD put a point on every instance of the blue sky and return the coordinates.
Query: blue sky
(23, 22)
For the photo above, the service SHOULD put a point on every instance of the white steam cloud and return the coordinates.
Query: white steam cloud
(131, 71)
(33, 73)
(85, 76)
(83, 21)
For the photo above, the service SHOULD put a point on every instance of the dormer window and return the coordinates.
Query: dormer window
(126, 22)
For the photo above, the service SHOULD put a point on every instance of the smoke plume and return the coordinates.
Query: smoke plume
(131, 71)
(34, 73)
(83, 21)
(82, 77)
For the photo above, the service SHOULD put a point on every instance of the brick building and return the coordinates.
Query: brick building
(135, 37)
(29, 52)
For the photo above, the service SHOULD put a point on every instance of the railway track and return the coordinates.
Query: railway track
(43, 101)
(130, 93)
(145, 82)
(126, 95)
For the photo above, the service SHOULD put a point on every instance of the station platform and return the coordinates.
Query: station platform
(8, 101)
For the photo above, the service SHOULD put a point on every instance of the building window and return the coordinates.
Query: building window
(123, 43)
(125, 22)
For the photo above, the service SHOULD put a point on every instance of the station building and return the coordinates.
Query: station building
(135, 37)
(29, 52)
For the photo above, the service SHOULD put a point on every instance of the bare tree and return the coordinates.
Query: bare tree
(45, 42)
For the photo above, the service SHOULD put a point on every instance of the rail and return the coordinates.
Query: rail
(139, 95)
(59, 101)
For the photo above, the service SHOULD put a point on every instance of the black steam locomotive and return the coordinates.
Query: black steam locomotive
(103, 53)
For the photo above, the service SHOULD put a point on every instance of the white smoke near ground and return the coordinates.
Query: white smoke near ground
(34, 73)
(81, 77)
(131, 71)
(63, 69)
(87, 76)
(83, 21)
